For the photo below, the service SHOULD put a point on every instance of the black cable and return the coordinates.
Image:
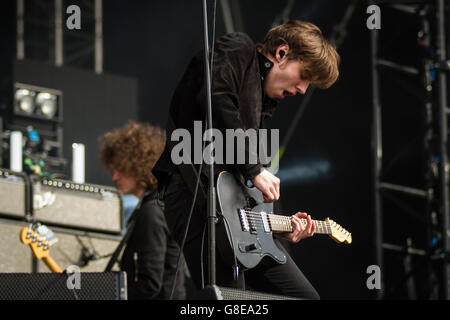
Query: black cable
(236, 267)
(201, 257)
(186, 231)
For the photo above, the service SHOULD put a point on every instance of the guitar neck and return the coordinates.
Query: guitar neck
(52, 264)
(280, 224)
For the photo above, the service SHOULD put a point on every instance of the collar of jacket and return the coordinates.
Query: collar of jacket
(264, 65)
(147, 196)
(268, 104)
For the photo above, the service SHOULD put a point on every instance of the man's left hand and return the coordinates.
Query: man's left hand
(300, 232)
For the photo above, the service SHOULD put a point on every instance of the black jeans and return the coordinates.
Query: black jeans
(269, 276)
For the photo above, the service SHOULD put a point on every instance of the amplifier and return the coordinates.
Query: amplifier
(90, 252)
(14, 255)
(74, 205)
(224, 293)
(62, 286)
(13, 193)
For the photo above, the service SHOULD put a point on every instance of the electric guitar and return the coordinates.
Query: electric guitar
(245, 232)
(40, 238)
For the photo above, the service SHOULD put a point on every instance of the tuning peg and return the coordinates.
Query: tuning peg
(42, 241)
(30, 226)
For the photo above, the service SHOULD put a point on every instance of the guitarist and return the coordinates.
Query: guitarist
(247, 79)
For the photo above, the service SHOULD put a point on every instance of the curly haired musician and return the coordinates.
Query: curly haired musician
(150, 255)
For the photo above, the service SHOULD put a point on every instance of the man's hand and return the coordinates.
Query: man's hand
(268, 184)
(300, 232)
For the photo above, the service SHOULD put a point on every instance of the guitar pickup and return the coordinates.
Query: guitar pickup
(265, 221)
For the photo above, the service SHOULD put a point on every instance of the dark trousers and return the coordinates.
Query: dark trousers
(269, 276)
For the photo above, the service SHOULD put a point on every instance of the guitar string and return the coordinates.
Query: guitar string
(286, 218)
(256, 219)
(318, 230)
(257, 222)
(256, 216)
(259, 219)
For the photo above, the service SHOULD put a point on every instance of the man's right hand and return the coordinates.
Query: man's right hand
(268, 184)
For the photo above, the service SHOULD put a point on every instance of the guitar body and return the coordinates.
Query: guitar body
(248, 241)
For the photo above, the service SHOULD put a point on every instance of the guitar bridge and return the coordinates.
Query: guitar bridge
(243, 219)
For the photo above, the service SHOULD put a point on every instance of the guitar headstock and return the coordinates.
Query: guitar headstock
(39, 238)
(338, 233)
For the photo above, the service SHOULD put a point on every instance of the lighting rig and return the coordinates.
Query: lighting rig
(33, 131)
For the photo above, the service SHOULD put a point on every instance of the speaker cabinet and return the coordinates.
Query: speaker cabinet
(14, 255)
(79, 206)
(90, 252)
(57, 286)
(13, 193)
(223, 293)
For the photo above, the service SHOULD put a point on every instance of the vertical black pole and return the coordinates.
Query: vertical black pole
(211, 189)
(376, 158)
(443, 137)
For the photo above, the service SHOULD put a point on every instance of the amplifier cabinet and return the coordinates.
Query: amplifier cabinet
(13, 193)
(223, 293)
(14, 255)
(77, 206)
(89, 252)
(60, 286)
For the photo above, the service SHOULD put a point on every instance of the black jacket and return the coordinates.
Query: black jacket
(150, 256)
(237, 101)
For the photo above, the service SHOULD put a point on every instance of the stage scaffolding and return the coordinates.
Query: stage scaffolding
(434, 193)
(46, 31)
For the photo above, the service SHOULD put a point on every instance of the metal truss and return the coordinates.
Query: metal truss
(43, 33)
(433, 213)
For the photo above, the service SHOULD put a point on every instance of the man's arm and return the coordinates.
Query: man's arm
(233, 56)
(152, 234)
